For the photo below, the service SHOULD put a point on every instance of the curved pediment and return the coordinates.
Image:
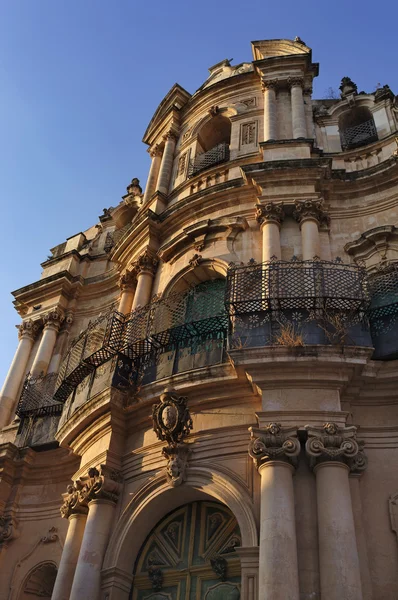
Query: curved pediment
(270, 48)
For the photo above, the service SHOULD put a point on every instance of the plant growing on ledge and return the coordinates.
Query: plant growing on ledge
(335, 325)
(289, 335)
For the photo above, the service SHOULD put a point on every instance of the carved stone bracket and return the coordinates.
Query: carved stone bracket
(29, 329)
(102, 484)
(274, 443)
(268, 213)
(147, 262)
(8, 530)
(311, 209)
(172, 423)
(53, 319)
(334, 443)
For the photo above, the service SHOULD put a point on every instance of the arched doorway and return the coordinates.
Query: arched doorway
(190, 555)
(39, 583)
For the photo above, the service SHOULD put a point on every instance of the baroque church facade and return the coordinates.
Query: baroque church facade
(203, 401)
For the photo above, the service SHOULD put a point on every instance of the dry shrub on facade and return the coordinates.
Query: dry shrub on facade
(289, 335)
(335, 327)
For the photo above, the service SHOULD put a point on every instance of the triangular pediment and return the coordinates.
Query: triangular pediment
(175, 99)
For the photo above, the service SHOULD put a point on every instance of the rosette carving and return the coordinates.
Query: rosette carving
(270, 212)
(311, 209)
(274, 442)
(334, 443)
(29, 329)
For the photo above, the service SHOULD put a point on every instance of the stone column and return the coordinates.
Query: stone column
(151, 184)
(310, 214)
(76, 513)
(61, 344)
(298, 113)
(275, 451)
(270, 122)
(167, 163)
(100, 490)
(333, 452)
(12, 384)
(145, 268)
(270, 217)
(127, 285)
(52, 323)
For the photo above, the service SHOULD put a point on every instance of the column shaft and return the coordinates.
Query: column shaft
(144, 289)
(166, 165)
(278, 573)
(126, 301)
(87, 579)
(270, 122)
(310, 239)
(44, 351)
(298, 113)
(153, 176)
(69, 558)
(271, 240)
(13, 381)
(338, 555)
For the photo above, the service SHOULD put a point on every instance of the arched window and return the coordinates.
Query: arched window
(212, 144)
(357, 128)
(39, 583)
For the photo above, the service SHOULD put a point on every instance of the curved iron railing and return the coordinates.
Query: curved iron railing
(383, 312)
(37, 397)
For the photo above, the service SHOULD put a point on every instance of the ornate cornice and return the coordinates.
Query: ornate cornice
(270, 212)
(53, 319)
(332, 443)
(28, 329)
(311, 209)
(147, 262)
(274, 442)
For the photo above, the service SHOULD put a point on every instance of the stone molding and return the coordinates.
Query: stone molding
(332, 443)
(99, 484)
(28, 329)
(53, 319)
(310, 209)
(146, 263)
(269, 213)
(274, 442)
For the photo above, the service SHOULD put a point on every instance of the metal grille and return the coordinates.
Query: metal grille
(37, 397)
(383, 288)
(216, 155)
(359, 135)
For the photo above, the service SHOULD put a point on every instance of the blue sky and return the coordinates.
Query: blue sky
(80, 80)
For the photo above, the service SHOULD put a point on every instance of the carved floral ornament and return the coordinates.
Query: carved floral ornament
(102, 484)
(311, 209)
(337, 444)
(28, 329)
(172, 423)
(268, 213)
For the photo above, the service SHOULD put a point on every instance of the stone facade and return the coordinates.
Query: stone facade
(204, 391)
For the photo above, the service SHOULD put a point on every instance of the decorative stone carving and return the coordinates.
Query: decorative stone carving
(170, 135)
(395, 153)
(270, 212)
(295, 82)
(72, 503)
(128, 280)
(249, 102)
(172, 423)
(53, 319)
(195, 261)
(334, 443)
(156, 577)
(311, 209)
(155, 151)
(8, 526)
(384, 93)
(248, 133)
(214, 110)
(28, 328)
(219, 566)
(269, 84)
(147, 262)
(103, 483)
(51, 536)
(274, 443)
(298, 40)
(134, 193)
(348, 87)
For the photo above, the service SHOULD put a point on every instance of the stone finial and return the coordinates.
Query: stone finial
(348, 87)
(146, 262)
(53, 319)
(29, 329)
(172, 423)
(274, 442)
(298, 40)
(134, 188)
(270, 212)
(310, 209)
(334, 443)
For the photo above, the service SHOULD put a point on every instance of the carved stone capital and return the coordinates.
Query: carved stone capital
(270, 212)
(8, 527)
(28, 329)
(147, 262)
(53, 319)
(274, 442)
(332, 443)
(310, 209)
(72, 504)
(269, 84)
(295, 82)
(170, 135)
(128, 280)
(155, 151)
(99, 484)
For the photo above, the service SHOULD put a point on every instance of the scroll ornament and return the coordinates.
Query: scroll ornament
(274, 442)
(334, 443)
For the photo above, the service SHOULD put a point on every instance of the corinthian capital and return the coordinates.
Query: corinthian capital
(274, 442)
(269, 84)
(28, 329)
(53, 319)
(155, 151)
(270, 212)
(72, 504)
(310, 209)
(295, 82)
(334, 443)
(128, 280)
(102, 484)
(170, 135)
(146, 262)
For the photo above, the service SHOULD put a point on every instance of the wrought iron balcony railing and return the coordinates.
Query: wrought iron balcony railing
(383, 313)
(37, 397)
(215, 156)
(359, 135)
